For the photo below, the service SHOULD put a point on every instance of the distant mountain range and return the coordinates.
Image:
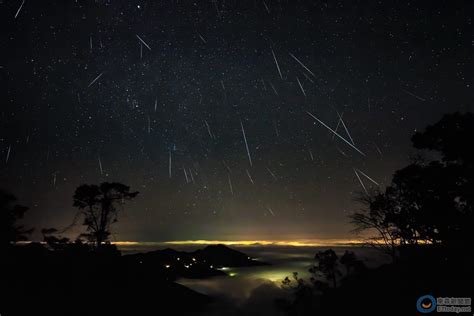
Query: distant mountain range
(210, 261)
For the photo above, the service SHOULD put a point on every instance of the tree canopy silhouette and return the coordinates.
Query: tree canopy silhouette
(352, 264)
(450, 138)
(429, 200)
(327, 266)
(99, 205)
(10, 213)
(307, 297)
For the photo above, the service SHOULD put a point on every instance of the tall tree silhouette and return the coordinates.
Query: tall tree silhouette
(449, 181)
(10, 213)
(375, 216)
(429, 200)
(99, 206)
(327, 266)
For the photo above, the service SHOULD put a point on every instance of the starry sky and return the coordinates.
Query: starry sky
(95, 91)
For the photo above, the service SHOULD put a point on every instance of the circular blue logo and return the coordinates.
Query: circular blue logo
(426, 304)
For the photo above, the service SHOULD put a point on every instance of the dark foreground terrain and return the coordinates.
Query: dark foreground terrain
(391, 289)
(76, 280)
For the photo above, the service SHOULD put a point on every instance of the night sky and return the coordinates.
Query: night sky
(95, 91)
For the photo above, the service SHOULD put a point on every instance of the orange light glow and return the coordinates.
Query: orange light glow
(293, 243)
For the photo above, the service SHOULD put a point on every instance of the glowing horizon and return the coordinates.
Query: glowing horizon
(293, 243)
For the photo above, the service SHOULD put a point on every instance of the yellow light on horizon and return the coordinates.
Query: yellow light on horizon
(293, 243)
(248, 243)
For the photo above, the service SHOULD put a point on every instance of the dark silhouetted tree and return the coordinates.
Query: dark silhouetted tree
(352, 264)
(307, 298)
(10, 213)
(449, 182)
(294, 284)
(327, 266)
(449, 137)
(427, 201)
(375, 217)
(99, 205)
